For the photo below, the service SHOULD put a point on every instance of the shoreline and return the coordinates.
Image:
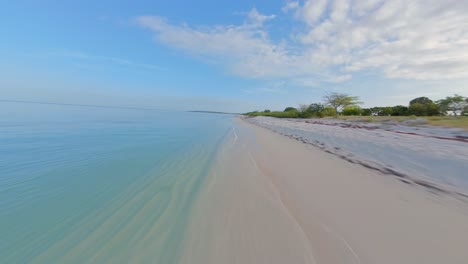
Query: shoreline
(428, 185)
(424, 153)
(271, 199)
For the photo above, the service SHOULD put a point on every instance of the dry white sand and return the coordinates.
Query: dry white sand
(270, 199)
(431, 155)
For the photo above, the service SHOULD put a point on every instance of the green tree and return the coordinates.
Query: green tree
(339, 101)
(432, 109)
(366, 112)
(421, 100)
(328, 111)
(423, 106)
(381, 111)
(456, 104)
(417, 109)
(386, 111)
(351, 110)
(303, 111)
(290, 109)
(399, 110)
(315, 108)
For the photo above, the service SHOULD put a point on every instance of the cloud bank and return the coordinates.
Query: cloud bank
(331, 40)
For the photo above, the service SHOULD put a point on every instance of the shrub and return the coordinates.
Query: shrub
(366, 112)
(399, 110)
(351, 110)
(329, 111)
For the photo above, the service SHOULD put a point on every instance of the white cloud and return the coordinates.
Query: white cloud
(290, 5)
(343, 78)
(313, 10)
(418, 39)
(404, 39)
(256, 19)
(340, 10)
(246, 49)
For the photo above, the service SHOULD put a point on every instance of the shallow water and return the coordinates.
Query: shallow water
(80, 184)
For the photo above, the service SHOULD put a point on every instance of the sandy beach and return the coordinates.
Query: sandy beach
(272, 199)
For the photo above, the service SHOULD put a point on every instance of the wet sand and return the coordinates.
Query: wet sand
(271, 199)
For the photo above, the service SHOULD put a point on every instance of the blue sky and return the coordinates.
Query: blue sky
(232, 55)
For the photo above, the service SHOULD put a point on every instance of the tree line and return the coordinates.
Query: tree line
(335, 104)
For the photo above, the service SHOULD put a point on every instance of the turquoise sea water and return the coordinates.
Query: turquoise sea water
(82, 184)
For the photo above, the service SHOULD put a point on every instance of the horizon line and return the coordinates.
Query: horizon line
(83, 105)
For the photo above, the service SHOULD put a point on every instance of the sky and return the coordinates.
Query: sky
(232, 56)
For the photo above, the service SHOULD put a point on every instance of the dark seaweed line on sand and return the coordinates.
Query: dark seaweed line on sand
(429, 186)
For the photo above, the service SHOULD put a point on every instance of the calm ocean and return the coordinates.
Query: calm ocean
(86, 184)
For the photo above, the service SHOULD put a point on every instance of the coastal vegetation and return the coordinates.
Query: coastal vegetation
(340, 102)
(451, 111)
(337, 104)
